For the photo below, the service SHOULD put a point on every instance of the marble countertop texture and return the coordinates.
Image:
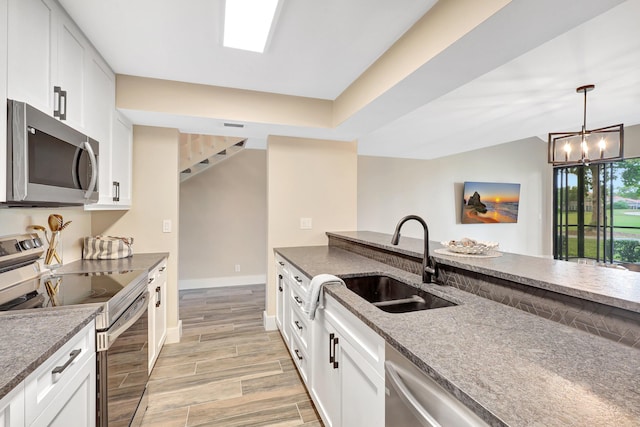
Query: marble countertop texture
(617, 288)
(29, 337)
(510, 367)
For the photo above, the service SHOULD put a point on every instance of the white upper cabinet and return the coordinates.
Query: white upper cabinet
(31, 46)
(100, 100)
(114, 184)
(53, 67)
(70, 78)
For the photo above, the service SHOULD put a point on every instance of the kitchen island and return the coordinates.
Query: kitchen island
(510, 367)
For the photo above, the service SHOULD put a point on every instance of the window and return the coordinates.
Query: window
(597, 212)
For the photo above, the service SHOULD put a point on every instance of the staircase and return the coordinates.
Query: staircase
(199, 152)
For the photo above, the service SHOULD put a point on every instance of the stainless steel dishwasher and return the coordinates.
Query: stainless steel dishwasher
(415, 399)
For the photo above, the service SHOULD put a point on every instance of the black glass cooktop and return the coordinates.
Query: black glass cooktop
(72, 289)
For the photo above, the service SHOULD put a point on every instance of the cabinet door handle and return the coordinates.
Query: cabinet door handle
(280, 282)
(298, 354)
(158, 294)
(331, 356)
(298, 325)
(56, 101)
(72, 357)
(116, 191)
(298, 300)
(63, 105)
(335, 358)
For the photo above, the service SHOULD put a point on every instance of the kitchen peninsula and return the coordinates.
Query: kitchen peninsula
(510, 367)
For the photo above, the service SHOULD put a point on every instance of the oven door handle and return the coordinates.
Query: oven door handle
(128, 318)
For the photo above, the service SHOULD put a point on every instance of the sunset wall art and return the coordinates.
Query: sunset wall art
(490, 202)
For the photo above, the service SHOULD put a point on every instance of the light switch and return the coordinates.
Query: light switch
(305, 224)
(166, 226)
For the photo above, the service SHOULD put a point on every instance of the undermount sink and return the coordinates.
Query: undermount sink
(394, 296)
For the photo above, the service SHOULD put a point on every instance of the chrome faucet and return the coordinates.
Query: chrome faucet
(428, 265)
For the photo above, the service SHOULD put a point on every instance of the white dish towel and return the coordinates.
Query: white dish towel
(314, 292)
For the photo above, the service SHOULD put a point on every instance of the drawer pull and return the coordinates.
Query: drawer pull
(151, 280)
(331, 357)
(298, 354)
(335, 359)
(298, 325)
(298, 279)
(298, 300)
(163, 269)
(281, 263)
(72, 357)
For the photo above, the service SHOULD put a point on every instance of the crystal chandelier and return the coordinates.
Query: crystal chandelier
(586, 146)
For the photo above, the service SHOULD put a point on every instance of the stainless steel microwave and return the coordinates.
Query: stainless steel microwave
(48, 162)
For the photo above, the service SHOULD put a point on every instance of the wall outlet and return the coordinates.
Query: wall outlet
(166, 226)
(306, 223)
(237, 268)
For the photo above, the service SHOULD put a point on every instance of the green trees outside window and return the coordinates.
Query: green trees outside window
(597, 212)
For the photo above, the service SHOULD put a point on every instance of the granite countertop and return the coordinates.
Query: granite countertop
(30, 337)
(142, 261)
(617, 288)
(510, 367)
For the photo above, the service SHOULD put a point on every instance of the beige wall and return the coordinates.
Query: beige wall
(155, 198)
(223, 222)
(307, 179)
(389, 189)
(16, 220)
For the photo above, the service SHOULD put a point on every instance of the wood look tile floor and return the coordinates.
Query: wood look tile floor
(227, 370)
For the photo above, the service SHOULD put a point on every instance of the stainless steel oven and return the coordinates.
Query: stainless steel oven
(48, 162)
(123, 367)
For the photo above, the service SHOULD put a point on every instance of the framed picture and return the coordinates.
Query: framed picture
(490, 202)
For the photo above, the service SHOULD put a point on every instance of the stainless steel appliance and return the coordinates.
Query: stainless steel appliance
(122, 326)
(414, 399)
(48, 162)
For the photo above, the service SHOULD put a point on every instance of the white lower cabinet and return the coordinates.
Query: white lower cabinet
(157, 309)
(12, 408)
(347, 383)
(61, 391)
(340, 359)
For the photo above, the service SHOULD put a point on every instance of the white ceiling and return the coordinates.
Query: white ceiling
(511, 78)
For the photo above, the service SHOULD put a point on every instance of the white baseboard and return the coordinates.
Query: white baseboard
(174, 334)
(269, 322)
(218, 282)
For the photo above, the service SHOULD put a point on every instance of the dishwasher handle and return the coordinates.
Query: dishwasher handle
(405, 395)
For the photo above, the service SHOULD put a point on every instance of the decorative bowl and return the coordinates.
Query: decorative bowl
(470, 246)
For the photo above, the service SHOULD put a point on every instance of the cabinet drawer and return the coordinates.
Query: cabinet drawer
(300, 326)
(283, 266)
(299, 280)
(45, 383)
(299, 355)
(297, 297)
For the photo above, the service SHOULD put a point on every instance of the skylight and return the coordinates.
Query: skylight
(247, 23)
